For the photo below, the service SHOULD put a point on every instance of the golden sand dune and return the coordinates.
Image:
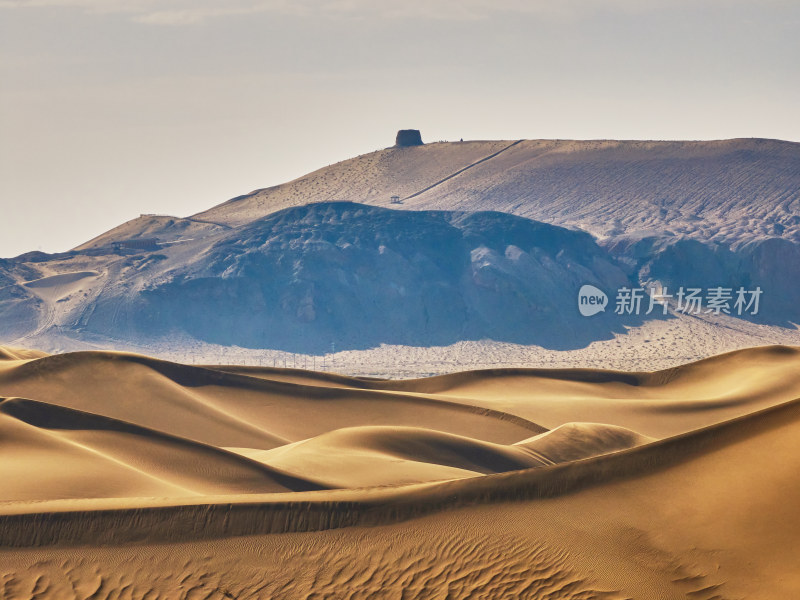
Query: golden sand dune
(657, 404)
(128, 477)
(216, 407)
(372, 456)
(7, 353)
(73, 452)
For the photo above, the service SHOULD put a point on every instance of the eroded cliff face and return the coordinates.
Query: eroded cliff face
(361, 276)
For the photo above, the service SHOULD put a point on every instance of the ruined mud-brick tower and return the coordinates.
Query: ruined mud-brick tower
(408, 137)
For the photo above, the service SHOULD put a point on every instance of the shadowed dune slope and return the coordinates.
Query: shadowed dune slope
(51, 452)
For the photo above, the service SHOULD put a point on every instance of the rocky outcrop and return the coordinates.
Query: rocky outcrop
(19, 308)
(769, 264)
(363, 276)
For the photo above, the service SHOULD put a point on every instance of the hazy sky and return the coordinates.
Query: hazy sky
(111, 108)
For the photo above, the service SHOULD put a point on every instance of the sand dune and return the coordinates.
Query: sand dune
(7, 353)
(485, 484)
(116, 459)
(657, 404)
(372, 456)
(62, 279)
(165, 228)
(576, 441)
(226, 409)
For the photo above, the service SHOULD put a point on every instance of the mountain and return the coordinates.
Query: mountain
(432, 245)
(677, 213)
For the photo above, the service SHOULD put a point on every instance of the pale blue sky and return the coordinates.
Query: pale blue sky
(112, 108)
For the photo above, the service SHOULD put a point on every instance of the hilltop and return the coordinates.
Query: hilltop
(728, 190)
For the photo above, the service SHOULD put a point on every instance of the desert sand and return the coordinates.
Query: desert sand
(733, 190)
(125, 476)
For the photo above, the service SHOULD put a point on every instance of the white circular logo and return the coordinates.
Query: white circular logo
(591, 300)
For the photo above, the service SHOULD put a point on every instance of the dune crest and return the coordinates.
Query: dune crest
(8, 353)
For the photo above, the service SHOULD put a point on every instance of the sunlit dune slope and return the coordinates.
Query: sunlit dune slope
(7, 353)
(657, 404)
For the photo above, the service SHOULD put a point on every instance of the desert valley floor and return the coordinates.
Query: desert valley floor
(125, 476)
